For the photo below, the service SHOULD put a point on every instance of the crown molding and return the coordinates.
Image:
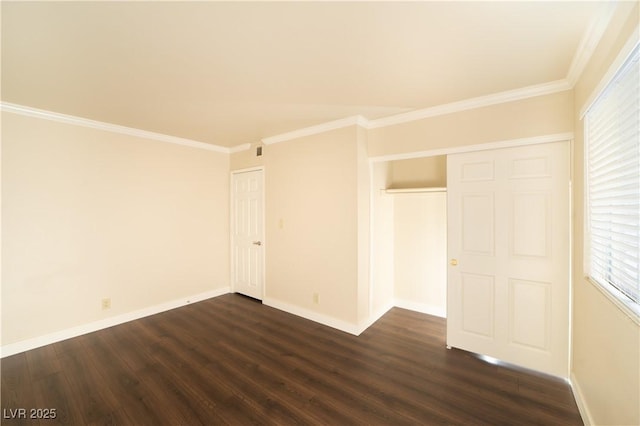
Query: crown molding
(586, 47)
(108, 127)
(632, 42)
(509, 143)
(479, 102)
(590, 39)
(238, 148)
(467, 104)
(357, 120)
(473, 103)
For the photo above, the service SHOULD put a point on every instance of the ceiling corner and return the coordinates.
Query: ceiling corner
(590, 40)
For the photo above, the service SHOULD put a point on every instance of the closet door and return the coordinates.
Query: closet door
(508, 245)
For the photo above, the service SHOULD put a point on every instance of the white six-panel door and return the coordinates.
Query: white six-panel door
(247, 233)
(508, 244)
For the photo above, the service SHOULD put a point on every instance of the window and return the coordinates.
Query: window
(612, 134)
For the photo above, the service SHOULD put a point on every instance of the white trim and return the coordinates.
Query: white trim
(473, 103)
(58, 336)
(424, 308)
(571, 254)
(581, 401)
(248, 169)
(356, 120)
(450, 108)
(586, 47)
(375, 317)
(420, 114)
(622, 56)
(108, 127)
(615, 296)
(557, 137)
(590, 40)
(413, 190)
(338, 324)
(371, 240)
(348, 327)
(238, 148)
(502, 97)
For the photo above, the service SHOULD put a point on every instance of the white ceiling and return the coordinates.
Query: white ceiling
(229, 73)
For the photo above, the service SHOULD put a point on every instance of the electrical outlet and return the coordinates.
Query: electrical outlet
(106, 303)
(315, 298)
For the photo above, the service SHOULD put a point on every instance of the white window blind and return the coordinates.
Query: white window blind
(613, 183)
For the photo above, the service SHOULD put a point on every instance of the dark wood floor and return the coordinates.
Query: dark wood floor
(232, 360)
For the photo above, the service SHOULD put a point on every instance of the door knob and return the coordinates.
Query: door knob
(453, 262)
(257, 243)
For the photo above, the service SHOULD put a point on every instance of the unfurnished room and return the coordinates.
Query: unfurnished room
(320, 212)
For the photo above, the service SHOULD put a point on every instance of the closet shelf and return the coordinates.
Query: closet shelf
(412, 190)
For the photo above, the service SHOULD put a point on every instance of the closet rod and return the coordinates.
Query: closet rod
(412, 190)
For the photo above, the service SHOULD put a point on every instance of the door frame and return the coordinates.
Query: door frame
(232, 227)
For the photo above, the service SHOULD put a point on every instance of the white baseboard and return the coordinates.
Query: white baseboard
(375, 317)
(424, 308)
(341, 325)
(348, 327)
(580, 401)
(47, 339)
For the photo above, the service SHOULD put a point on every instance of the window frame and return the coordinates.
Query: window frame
(622, 301)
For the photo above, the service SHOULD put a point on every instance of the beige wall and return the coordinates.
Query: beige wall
(312, 231)
(317, 192)
(420, 251)
(425, 172)
(88, 214)
(247, 158)
(606, 342)
(541, 115)
(409, 254)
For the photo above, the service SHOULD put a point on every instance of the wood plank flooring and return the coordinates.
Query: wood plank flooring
(232, 360)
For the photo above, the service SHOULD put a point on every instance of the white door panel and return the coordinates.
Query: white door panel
(247, 233)
(508, 295)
